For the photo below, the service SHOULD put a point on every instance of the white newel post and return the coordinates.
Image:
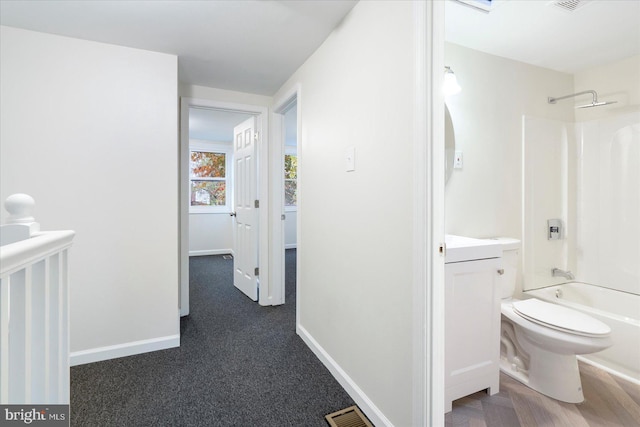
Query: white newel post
(20, 224)
(34, 308)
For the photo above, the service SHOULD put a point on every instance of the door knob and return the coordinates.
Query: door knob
(501, 271)
(232, 214)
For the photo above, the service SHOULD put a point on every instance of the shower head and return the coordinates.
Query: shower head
(596, 104)
(594, 101)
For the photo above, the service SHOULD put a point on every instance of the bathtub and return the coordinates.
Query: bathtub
(619, 310)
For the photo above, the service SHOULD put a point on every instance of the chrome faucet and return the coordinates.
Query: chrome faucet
(556, 272)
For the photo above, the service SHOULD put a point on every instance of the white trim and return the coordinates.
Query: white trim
(123, 350)
(264, 195)
(263, 191)
(277, 149)
(206, 252)
(183, 208)
(20, 255)
(428, 215)
(276, 293)
(367, 406)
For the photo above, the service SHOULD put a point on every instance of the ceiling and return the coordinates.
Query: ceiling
(255, 45)
(217, 125)
(540, 33)
(214, 125)
(251, 46)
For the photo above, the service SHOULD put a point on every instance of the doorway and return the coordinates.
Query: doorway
(286, 196)
(291, 171)
(206, 198)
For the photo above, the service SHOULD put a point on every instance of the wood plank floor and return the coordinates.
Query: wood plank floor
(609, 401)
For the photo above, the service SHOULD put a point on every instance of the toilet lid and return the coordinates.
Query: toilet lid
(558, 317)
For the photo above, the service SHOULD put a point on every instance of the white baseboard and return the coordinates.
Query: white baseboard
(122, 350)
(291, 246)
(362, 400)
(211, 252)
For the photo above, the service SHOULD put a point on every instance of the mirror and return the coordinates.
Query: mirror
(449, 144)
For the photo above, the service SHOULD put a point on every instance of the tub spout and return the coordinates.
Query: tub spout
(556, 272)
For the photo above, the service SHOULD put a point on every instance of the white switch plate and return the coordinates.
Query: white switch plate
(351, 159)
(457, 160)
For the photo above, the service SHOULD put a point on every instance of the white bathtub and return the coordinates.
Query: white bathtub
(619, 310)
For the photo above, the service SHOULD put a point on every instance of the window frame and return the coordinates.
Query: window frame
(225, 148)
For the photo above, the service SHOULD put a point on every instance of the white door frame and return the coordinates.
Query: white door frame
(428, 215)
(263, 192)
(281, 106)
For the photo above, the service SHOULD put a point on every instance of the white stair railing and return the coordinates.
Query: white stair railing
(34, 308)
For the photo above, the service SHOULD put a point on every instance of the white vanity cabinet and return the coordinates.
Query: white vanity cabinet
(472, 317)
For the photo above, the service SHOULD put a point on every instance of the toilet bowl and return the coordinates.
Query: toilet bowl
(542, 353)
(539, 341)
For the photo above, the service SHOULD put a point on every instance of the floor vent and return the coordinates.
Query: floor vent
(348, 417)
(227, 256)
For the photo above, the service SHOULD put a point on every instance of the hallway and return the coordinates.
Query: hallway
(239, 364)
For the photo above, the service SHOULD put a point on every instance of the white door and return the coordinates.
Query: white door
(245, 260)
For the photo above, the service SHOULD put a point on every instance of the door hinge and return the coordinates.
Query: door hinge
(256, 136)
(256, 272)
(256, 203)
(283, 217)
(442, 249)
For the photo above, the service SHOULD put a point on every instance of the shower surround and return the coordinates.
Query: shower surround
(608, 202)
(586, 174)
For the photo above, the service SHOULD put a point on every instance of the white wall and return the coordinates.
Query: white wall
(618, 81)
(210, 234)
(355, 231)
(90, 131)
(203, 92)
(290, 229)
(484, 198)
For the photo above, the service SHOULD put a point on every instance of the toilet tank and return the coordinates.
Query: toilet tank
(510, 252)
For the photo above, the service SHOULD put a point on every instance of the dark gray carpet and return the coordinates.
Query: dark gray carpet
(238, 364)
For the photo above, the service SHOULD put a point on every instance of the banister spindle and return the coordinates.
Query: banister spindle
(34, 304)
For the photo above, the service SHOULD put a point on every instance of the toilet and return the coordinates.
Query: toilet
(539, 341)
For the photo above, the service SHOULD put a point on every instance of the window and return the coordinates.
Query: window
(209, 178)
(290, 180)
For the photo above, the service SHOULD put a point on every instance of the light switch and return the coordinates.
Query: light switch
(351, 159)
(457, 160)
